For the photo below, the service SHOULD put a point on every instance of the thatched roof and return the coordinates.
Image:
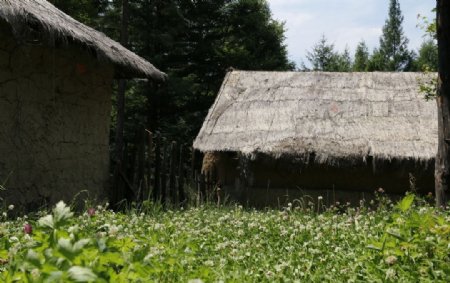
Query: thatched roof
(24, 15)
(334, 116)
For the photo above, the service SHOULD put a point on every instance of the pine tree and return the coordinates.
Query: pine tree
(361, 57)
(86, 11)
(322, 57)
(344, 61)
(253, 40)
(393, 43)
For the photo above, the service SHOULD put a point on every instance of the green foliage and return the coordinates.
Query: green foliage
(428, 56)
(429, 26)
(428, 86)
(414, 245)
(393, 52)
(427, 60)
(323, 57)
(361, 57)
(85, 11)
(407, 242)
(406, 202)
(344, 61)
(252, 40)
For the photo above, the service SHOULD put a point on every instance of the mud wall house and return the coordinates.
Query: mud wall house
(56, 78)
(338, 135)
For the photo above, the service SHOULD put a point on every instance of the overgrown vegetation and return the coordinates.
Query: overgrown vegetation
(382, 242)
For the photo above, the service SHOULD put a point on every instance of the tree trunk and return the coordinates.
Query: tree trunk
(442, 167)
(122, 83)
(119, 138)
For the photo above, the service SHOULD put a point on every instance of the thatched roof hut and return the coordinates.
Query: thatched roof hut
(334, 115)
(56, 78)
(328, 119)
(39, 18)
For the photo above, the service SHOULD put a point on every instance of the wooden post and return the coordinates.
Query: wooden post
(214, 190)
(164, 175)
(172, 170)
(202, 187)
(209, 185)
(442, 166)
(157, 174)
(140, 166)
(118, 187)
(125, 190)
(181, 194)
(197, 187)
(193, 162)
(149, 161)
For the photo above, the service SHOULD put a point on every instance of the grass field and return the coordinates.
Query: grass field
(381, 242)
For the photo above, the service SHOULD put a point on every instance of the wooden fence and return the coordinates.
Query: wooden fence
(167, 172)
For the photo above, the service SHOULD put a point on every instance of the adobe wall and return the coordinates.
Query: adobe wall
(54, 122)
(272, 181)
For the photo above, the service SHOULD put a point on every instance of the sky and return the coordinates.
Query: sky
(344, 22)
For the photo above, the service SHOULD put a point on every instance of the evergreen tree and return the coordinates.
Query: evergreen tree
(361, 57)
(428, 56)
(376, 62)
(253, 39)
(323, 57)
(344, 61)
(86, 11)
(393, 43)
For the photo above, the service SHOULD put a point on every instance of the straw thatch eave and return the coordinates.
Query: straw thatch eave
(336, 118)
(28, 17)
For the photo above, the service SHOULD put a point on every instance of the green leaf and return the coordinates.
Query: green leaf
(46, 221)
(61, 212)
(81, 274)
(78, 246)
(101, 243)
(66, 248)
(406, 203)
(55, 276)
(373, 247)
(33, 258)
(114, 258)
(395, 235)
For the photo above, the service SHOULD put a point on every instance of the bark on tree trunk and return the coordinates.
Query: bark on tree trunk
(122, 83)
(118, 190)
(442, 166)
(119, 139)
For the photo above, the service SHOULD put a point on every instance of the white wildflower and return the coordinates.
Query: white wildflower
(13, 239)
(35, 273)
(195, 281)
(391, 260)
(209, 263)
(390, 273)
